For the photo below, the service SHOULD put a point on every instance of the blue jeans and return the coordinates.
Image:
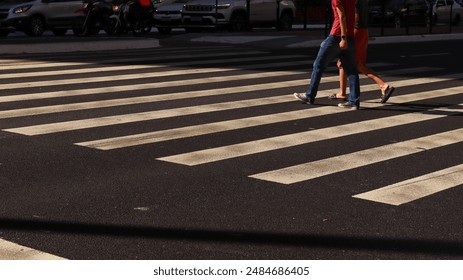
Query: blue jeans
(329, 50)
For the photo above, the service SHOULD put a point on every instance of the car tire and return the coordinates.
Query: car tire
(36, 26)
(4, 33)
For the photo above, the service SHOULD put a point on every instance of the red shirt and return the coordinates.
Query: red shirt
(349, 9)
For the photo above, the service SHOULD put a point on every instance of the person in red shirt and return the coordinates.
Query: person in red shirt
(145, 3)
(361, 46)
(339, 44)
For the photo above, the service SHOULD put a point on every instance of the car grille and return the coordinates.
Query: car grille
(199, 8)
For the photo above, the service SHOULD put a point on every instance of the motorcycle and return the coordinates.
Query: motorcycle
(93, 17)
(131, 16)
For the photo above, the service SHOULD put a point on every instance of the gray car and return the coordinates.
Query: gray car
(35, 16)
(169, 16)
(443, 9)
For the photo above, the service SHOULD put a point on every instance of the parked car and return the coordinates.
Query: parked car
(35, 16)
(400, 13)
(169, 16)
(233, 14)
(442, 10)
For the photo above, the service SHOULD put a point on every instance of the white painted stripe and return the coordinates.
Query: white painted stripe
(319, 168)
(430, 54)
(149, 86)
(35, 74)
(143, 116)
(193, 94)
(416, 188)
(13, 251)
(138, 59)
(156, 74)
(183, 111)
(153, 137)
(306, 137)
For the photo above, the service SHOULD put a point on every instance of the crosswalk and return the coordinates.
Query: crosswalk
(139, 87)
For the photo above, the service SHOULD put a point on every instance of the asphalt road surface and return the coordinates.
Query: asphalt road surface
(201, 152)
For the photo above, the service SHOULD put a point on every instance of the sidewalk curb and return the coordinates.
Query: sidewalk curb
(272, 41)
(61, 47)
(390, 39)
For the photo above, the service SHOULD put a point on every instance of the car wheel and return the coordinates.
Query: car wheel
(4, 33)
(59, 31)
(36, 26)
(164, 30)
(238, 22)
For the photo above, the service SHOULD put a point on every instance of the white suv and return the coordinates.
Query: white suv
(234, 14)
(35, 16)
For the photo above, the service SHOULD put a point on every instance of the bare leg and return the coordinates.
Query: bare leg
(342, 82)
(362, 68)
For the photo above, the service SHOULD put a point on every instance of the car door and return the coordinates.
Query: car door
(263, 11)
(61, 12)
(442, 11)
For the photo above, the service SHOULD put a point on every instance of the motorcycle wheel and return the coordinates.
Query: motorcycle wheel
(79, 27)
(113, 27)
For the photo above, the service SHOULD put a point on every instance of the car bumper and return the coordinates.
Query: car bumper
(14, 23)
(204, 20)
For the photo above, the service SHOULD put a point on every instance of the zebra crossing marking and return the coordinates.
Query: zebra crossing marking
(416, 188)
(123, 77)
(306, 137)
(183, 111)
(13, 251)
(315, 169)
(173, 96)
(33, 73)
(152, 115)
(43, 64)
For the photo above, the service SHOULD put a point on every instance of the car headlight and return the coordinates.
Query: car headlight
(223, 6)
(21, 9)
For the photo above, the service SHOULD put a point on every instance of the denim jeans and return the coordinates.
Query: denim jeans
(329, 50)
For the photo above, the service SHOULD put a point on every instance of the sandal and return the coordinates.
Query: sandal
(335, 97)
(387, 93)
